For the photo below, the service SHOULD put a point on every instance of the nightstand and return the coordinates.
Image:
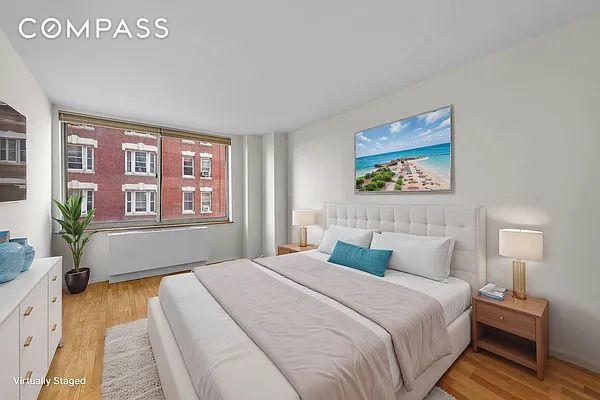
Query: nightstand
(514, 329)
(293, 248)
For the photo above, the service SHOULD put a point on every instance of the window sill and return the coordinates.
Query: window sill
(188, 212)
(155, 226)
(12, 162)
(206, 177)
(81, 171)
(188, 177)
(140, 174)
(140, 214)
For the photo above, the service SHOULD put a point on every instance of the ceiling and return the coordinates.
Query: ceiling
(260, 66)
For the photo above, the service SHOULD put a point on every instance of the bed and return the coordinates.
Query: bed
(199, 348)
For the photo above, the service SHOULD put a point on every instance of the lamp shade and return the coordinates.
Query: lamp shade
(303, 217)
(522, 244)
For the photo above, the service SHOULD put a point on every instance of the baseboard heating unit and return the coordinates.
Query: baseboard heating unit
(142, 253)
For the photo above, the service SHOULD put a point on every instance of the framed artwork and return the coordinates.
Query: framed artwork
(13, 154)
(410, 155)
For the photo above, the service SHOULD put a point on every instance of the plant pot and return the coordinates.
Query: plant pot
(77, 281)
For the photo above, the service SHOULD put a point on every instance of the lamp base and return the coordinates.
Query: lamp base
(303, 237)
(519, 280)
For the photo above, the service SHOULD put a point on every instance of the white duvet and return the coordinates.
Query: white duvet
(214, 348)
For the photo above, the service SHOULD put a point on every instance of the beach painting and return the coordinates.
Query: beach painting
(410, 155)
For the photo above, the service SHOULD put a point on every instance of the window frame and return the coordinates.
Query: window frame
(202, 194)
(18, 150)
(85, 195)
(84, 159)
(131, 161)
(151, 196)
(209, 174)
(183, 166)
(67, 118)
(185, 211)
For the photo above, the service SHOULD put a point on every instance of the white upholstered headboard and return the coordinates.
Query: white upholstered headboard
(465, 224)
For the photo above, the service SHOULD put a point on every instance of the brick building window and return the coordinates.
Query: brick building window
(13, 150)
(206, 202)
(80, 158)
(188, 202)
(206, 167)
(141, 175)
(187, 162)
(140, 202)
(87, 202)
(140, 162)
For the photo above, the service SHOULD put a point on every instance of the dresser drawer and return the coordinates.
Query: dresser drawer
(54, 326)
(9, 349)
(510, 321)
(33, 338)
(55, 281)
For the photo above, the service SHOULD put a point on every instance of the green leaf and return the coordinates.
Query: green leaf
(73, 226)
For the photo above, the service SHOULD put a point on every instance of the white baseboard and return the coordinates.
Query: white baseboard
(587, 364)
(152, 272)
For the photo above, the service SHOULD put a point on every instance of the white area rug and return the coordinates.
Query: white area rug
(130, 370)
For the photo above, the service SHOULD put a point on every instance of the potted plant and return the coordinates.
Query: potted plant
(72, 231)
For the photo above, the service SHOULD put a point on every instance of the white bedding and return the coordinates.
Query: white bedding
(214, 347)
(454, 295)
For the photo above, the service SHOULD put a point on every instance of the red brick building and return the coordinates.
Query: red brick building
(117, 172)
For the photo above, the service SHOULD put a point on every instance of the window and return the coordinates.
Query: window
(144, 175)
(13, 150)
(80, 158)
(188, 202)
(188, 166)
(87, 202)
(22, 150)
(140, 162)
(206, 202)
(140, 202)
(206, 167)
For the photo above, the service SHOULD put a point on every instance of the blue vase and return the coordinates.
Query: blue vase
(12, 256)
(29, 252)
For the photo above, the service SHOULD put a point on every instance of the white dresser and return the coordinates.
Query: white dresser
(30, 327)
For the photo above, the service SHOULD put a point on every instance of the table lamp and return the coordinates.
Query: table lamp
(302, 218)
(521, 245)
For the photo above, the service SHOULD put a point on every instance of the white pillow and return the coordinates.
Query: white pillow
(356, 236)
(427, 256)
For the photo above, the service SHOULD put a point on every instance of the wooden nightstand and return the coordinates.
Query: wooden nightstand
(514, 329)
(293, 248)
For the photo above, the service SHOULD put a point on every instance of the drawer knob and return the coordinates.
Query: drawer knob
(501, 318)
(28, 341)
(54, 299)
(28, 311)
(54, 278)
(53, 327)
(28, 375)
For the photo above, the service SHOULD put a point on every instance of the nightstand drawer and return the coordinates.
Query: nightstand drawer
(510, 321)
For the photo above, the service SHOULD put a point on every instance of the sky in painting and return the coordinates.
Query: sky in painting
(419, 131)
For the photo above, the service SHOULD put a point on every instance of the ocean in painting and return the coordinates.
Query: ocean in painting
(436, 159)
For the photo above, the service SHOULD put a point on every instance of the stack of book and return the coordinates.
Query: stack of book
(491, 291)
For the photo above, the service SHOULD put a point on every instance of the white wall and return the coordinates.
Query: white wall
(19, 89)
(275, 197)
(527, 145)
(253, 197)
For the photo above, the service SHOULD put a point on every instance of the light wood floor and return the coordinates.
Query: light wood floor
(474, 375)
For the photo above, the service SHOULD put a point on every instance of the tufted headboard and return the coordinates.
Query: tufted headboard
(465, 224)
